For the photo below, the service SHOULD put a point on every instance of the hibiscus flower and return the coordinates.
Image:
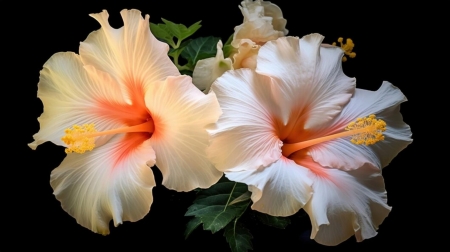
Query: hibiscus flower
(300, 135)
(121, 107)
(263, 21)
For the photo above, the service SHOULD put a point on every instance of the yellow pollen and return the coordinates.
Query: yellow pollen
(79, 139)
(367, 130)
(347, 47)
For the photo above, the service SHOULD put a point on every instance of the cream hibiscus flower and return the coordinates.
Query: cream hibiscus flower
(300, 135)
(123, 99)
(263, 21)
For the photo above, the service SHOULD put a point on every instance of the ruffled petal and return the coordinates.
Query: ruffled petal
(112, 182)
(302, 66)
(181, 114)
(246, 55)
(385, 104)
(245, 137)
(206, 71)
(272, 10)
(252, 10)
(346, 204)
(74, 94)
(280, 189)
(263, 21)
(131, 54)
(259, 31)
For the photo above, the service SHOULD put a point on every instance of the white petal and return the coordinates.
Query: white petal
(111, 182)
(181, 114)
(131, 54)
(206, 71)
(73, 94)
(346, 204)
(245, 137)
(385, 104)
(304, 68)
(203, 75)
(280, 189)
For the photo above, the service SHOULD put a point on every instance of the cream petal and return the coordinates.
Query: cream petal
(385, 104)
(259, 31)
(203, 75)
(346, 204)
(245, 137)
(252, 10)
(131, 54)
(111, 182)
(302, 66)
(71, 94)
(206, 71)
(281, 189)
(272, 10)
(246, 55)
(181, 114)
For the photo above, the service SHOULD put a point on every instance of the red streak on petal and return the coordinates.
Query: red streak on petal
(130, 143)
(301, 158)
(131, 114)
(160, 125)
(128, 114)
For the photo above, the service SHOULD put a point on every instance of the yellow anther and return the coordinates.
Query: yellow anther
(347, 47)
(79, 139)
(368, 130)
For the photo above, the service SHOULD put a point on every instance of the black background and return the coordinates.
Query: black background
(383, 53)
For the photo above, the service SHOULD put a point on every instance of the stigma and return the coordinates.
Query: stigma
(81, 138)
(347, 47)
(367, 130)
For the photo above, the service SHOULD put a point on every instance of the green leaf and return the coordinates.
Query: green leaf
(191, 226)
(180, 31)
(200, 48)
(228, 49)
(161, 32)
(273, 221)
(238, 237)
(186, 72)
(213, 207)
(229, 40)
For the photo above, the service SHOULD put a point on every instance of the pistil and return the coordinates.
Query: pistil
(367, 130)
(80, 139)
